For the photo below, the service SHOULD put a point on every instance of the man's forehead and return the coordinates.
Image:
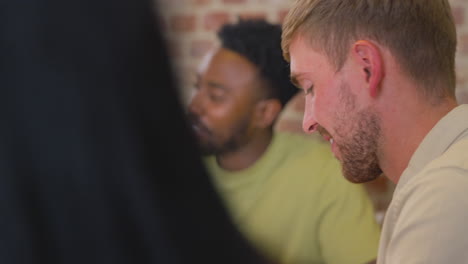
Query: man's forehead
(298, 52)
(300, 44)
(306, 57)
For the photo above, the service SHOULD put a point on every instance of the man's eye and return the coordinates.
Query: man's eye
(216, 97)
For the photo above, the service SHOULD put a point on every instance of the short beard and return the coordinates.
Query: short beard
(359, 153)
(232, 144)
(360, 135)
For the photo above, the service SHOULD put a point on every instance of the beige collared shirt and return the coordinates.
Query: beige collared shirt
(427, 219)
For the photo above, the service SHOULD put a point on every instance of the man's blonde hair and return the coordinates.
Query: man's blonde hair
(419, 33)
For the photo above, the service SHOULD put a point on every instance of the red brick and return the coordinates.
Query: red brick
(201, 2)
(281, 15)
(234, 1)
(463, 97)
(253, 15)
(458, 15)
(463, 44)
(200, 48)
(213, 21)
(183, 23)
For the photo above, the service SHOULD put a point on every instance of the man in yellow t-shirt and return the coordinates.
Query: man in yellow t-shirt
(284, 191)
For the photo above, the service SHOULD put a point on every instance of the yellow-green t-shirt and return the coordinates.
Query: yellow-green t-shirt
(296, 207)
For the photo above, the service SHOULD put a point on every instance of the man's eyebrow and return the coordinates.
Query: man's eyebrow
(217, 85)
(211, 83)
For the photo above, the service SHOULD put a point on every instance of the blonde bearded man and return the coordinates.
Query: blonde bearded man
(380, 82)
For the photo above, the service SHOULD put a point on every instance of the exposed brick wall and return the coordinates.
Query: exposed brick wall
(190, 27)
(460, 13)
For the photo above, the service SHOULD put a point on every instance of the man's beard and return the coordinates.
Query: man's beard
(359, 149)
(211, 146)
(360, 137)
(232, 144)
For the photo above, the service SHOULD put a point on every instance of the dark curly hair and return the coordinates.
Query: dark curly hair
(260, 42)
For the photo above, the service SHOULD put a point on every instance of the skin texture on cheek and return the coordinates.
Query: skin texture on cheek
(357, 138)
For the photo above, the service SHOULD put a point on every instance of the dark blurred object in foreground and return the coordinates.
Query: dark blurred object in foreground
(97, 164)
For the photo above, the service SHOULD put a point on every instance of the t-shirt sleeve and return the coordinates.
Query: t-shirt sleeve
(348, 229)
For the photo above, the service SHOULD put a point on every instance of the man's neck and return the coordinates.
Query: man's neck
(247, 155)
(404, 128)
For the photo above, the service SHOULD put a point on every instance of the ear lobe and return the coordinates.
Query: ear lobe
(267, 111)
(369, 58)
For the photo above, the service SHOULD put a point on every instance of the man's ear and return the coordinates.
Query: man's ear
(369, 58)
(266, 112)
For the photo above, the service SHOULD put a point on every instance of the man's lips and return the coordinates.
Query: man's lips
(197, 125)
(200, 129)
(324, 133)
(326, 136)
(332, 144)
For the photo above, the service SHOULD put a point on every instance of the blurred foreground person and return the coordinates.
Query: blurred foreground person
(90, 118)
(380, 83)
(284, 190)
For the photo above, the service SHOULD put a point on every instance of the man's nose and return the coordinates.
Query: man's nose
(196, 104)
(309, 124)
